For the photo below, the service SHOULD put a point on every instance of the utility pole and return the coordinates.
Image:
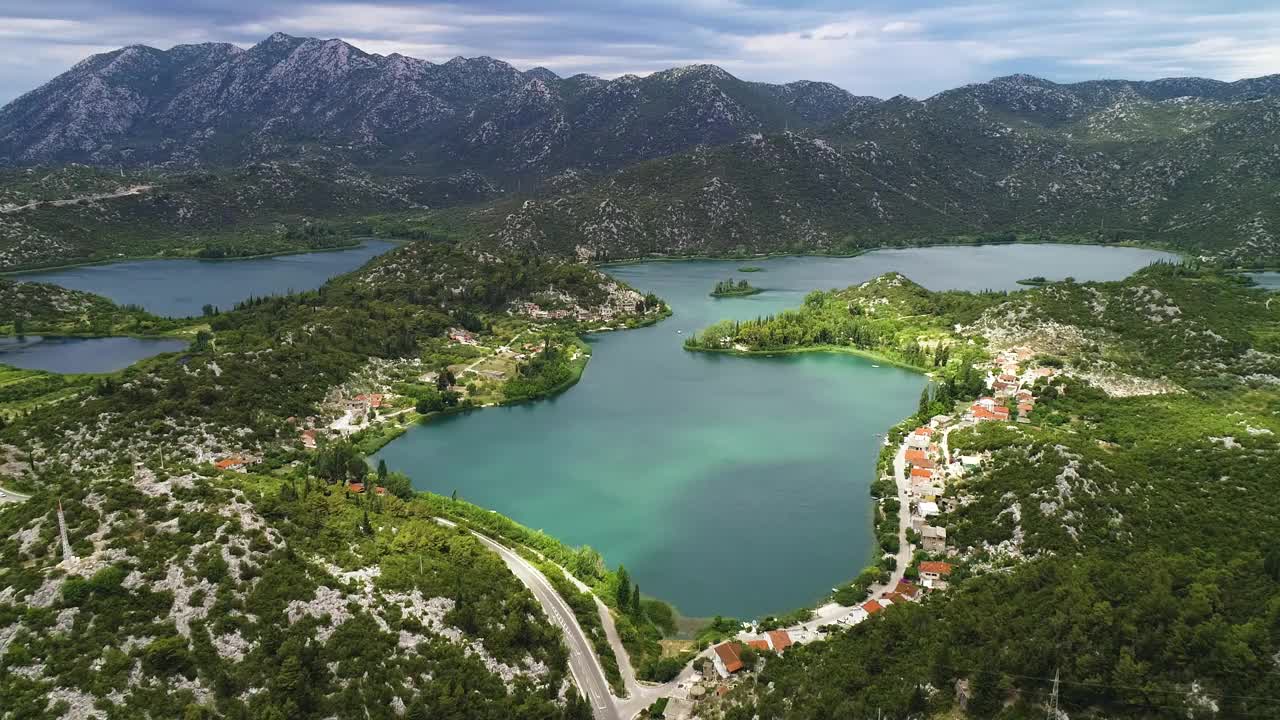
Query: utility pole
(1053, 698)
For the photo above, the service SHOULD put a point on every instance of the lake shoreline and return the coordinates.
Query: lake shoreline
(911, 246)
(146, 258)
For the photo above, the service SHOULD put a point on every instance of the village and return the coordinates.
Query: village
(923, 470)
(467, 368)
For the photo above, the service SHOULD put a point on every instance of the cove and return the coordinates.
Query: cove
(81, 354)
(181, 288)
(726, 485)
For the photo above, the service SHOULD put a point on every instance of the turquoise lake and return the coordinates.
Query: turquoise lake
(726, 485)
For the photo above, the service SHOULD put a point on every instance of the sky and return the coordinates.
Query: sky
(911, 47)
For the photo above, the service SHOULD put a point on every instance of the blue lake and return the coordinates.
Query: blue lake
(81, 355)
(180, 288)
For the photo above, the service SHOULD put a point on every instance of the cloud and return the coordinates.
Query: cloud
(916, 47)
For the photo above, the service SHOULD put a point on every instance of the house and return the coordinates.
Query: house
(231, 463)
(987, 402)
(907, 589)
(462, 337)
(726, 659)
(356, 487)
(919, 458)
(927, 509)
(934, 539)
(938, 421)
(871, 607)
(1042, 372)
(934, 574)
(971, 460)
(920, 438)
(779, 640)
(981, 413)
(760, 645)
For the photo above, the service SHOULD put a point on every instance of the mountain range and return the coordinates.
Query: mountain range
(688, 160)
(304, 98)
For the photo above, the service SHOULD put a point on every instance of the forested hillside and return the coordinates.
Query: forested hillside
(1192, 175)
(186, 589)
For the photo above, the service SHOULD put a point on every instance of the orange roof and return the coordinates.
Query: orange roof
(906, 589)
(780, 639)
(919, 458)
(229, 463)
(759, 644)
(356, 487)
(872, 607)
(922, 430)
(728, 653)
(931, 566)
(921, 473)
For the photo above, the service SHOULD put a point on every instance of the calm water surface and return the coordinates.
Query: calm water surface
(81, 355)
(180, 288)
(736, 486)
(1267, 280)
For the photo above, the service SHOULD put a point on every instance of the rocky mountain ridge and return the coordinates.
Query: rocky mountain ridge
(304, 98)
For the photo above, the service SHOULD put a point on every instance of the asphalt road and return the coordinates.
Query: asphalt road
(587, 673)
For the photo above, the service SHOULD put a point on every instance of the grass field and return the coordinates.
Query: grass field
(23, 390)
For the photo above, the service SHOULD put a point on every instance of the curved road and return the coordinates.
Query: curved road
(587, 672)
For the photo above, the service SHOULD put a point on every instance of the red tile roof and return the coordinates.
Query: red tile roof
(940, 568)
(872, 607)
(922, 430)
(356, 487)
(917, 457)
(906, 589)
(229, 463)
(921, 473)
(759, 644)
(728, 653)
(780, 639)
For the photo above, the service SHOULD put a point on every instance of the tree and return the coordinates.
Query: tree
(382, 471)
(398, 484)
(202, 340)
(19, 326)
(636, 609)
(624, 588)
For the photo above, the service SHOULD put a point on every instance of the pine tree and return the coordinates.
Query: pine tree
(382, 472)
(635, 599)
(624, 588)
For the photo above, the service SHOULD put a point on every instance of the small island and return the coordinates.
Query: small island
(750, 268)
(729, 288)
(1034, 281)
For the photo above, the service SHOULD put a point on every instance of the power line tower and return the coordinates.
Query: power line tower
(1053, 698)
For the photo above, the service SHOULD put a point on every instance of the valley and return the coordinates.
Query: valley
(340, 384)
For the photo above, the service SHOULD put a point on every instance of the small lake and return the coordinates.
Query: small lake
(181, 288)
(81, 355)
(1267, 280)
(726, 485)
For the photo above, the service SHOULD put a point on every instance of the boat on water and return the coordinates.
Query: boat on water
(874, 365)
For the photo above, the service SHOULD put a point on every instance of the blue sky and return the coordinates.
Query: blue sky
(876, 48)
